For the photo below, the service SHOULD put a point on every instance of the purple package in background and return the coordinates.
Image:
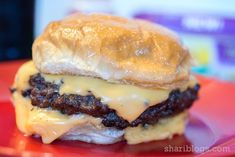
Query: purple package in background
(216, 34)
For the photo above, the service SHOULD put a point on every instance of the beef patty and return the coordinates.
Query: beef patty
(46, 95)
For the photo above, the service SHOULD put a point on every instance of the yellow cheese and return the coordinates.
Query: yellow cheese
(164, 129)
(49, 124)
(129, 101)
(22, 77)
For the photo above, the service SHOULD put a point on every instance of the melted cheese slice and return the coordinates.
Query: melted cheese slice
(129, 101)
(165, 128)
(49, 124)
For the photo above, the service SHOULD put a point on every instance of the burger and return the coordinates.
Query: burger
(101, 79)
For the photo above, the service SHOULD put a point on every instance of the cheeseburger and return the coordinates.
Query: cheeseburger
(102, 79)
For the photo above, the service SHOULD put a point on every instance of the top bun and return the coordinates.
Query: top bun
(114, 49)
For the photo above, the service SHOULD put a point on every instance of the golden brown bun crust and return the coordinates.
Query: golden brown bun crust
(113, 48)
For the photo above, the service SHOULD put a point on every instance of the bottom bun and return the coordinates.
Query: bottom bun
(164, 129)
(93, 134)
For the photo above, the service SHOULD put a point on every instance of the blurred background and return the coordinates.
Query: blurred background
(207, 27)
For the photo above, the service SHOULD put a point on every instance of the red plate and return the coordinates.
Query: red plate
(210, 131)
